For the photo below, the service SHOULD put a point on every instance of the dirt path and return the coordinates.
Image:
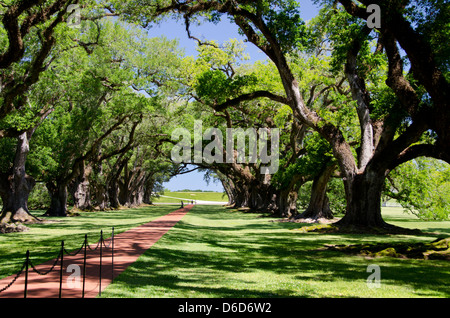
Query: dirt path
(128, 246)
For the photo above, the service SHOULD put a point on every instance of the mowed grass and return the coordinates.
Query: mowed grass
(188, 196)
(214, 252)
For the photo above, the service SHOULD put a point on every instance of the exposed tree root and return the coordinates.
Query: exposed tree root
(333, 226)
(317, 220)
(12, 228)
(438, 249)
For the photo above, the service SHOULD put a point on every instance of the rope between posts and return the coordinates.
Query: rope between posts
(28, 263)
(44, 273)
(77, 252)
(15, 278)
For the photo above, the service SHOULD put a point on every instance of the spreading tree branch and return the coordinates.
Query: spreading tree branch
(251, 96)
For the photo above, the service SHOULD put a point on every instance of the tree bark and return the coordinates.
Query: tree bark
(131, 188)
(287, 205)
(58, 196)
(80, 190)
(319, 204)
(288, 196)
(228, 187)
(263, 196)
(148, 190)
(101, 197)
(15, 195)
(113, 194)
(15, 187)
(112, 182)
(364, 201)
(242, 196)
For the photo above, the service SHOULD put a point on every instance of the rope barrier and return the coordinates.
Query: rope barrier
(74, 254)
(51, 268)
(14, 279)
(27, 264)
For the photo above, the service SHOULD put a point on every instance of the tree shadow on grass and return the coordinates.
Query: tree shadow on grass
(204, 259)
(201, 273)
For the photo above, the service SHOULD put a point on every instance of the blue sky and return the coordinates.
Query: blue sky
(193, 181)
(221, 32)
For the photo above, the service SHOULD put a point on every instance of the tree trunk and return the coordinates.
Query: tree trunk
(58, 196)
(288, 197)
(319, 205)
(80, 190)
(229, 190)
(242, 196)
(287, 206)
(136, 199)
(363, 194)
(112, 183)
(15, 195)
(101, 197)
(113, 194)
(261, 198)
(131, 188)
(136, 193)
(135, 196)
(82, 196)
(15, 188)
(149, 187)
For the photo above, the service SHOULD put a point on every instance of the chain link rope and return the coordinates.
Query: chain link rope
(61, 253)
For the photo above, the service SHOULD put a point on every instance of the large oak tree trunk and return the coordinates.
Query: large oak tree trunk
(319, 205)
(148, 190)
(241, 196)
(14, 194)
(112, 184)
(58, 196)
(101, 197)
(287, 203)
(364, 201)
(15, 188)
(263, 197)
(136, 195)
(229, 190)
(80, 190)
(113, 194)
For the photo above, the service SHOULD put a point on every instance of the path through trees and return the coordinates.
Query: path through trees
(90, 111)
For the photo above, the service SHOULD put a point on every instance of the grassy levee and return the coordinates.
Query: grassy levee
(215, 252)
(188, 196)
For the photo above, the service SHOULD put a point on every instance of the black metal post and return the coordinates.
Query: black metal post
(84, 263)
(112, 256)
(100, 274)
(27, 261)
(61, 270)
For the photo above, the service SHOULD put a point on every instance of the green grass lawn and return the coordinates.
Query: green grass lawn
(214, 252)
(204, 196)
(217, 252)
